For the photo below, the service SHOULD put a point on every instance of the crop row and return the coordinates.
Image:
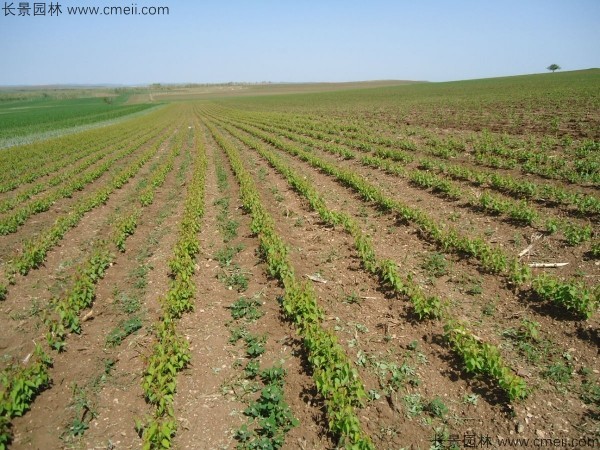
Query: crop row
(269, 417)
(519, 212)
(97, 154)
(572, 295)
(158, 178)
(170, 353)
(585, 204)
(543, 193)
(19, 385)
(387, 272)
(335, 378)
(12, 222)
(487, 152)
(585, 168)
(66, 311)
(60, 318)
(33, 161)
(35, 250)
(42, 169)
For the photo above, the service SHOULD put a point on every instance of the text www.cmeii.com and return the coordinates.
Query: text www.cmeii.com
(26, 9)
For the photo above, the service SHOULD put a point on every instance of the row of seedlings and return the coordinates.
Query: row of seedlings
(68, 170)
(335, 377)
(269, 417)
(479, 357)
(11, 223)
(573, 296)
(21, 384)
(520, 212)
(170, 353)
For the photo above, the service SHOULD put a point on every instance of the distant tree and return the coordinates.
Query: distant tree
(553, 67)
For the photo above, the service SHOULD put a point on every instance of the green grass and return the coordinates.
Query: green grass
(24, 117)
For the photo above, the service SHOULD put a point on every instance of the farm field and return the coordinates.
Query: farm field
(27, 114)
(383, 267)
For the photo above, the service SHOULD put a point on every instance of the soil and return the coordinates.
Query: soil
(417, 387)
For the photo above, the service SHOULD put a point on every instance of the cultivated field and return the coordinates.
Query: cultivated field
(383, 267)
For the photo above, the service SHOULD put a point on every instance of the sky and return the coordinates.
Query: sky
(209, 41)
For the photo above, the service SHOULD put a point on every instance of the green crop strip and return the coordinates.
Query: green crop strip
(487, 151)
(126, 226)
(336, 380)
(585, 204)
(65, 113)
(92, 156)
(171, 352)
(35, 250)
(519, 212)
(81, 296)
(388, 274)
(492, 259)
(51, 157)
(62, 317)
(18, 388)
(544, 193)
(12, 223)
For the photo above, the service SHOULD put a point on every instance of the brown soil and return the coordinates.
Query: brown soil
(99, 385)
(210, 383)
(441, 376)
(86, 378)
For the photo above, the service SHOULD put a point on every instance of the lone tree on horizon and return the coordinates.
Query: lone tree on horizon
(553, 67)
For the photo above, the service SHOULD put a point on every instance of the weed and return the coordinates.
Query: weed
(558, 372)
(590, 392)
(278, 197)
(475, 289)
(139, 275)
(436, 265)
(248, 309)
(413, 404)
(262, 174)
(443, 440)
(332, 255)
(470, 399)
(225, 255)
(128, 303)
(373, 395)
(84, 412)
(238, 333)
(78, 427)
(124, 329)
(230, 229)
(234, 278)
(489, 308)
(454, 217)
(436, 408)
(352, 298)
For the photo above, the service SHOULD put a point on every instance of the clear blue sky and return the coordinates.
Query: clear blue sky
(308, 40)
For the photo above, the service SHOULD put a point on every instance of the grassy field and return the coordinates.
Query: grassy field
(305, 266)
(24, 116)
